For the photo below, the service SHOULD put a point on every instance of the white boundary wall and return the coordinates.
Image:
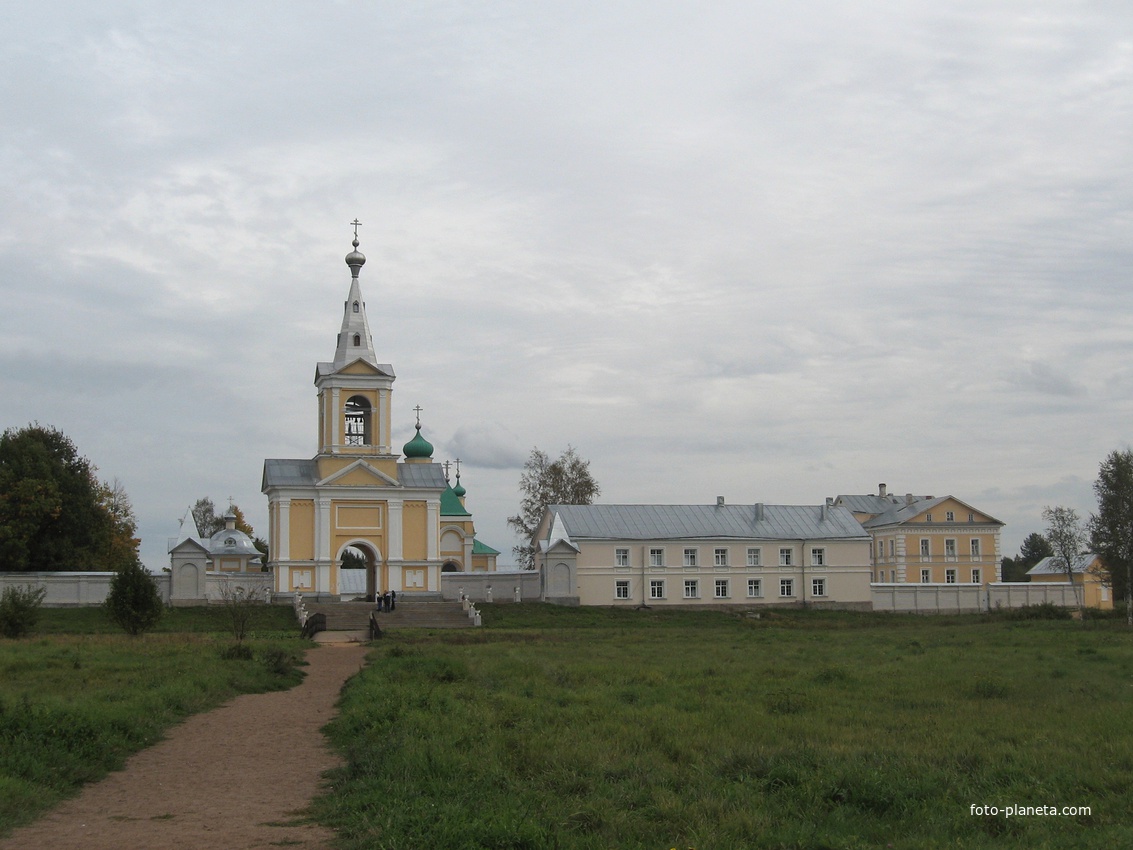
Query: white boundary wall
(503, 584)
(967, 598)
(82, 588)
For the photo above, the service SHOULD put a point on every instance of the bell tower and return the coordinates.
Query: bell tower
(355, 390)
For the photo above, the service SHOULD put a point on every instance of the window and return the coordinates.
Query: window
(621, 557)
(975, 548)
(893, 576)
(355, 306)
(656, 557)
(722, 588)
(926, 576)
(928, 517)
(950, 549)
(786, 587)
(657, 589)
(357, 421)
(785, 557)
(892, 544)
(754, 588)
(818, 587)
(950, 516)
(621, 590)
(690, 557)
(977, 576)
(926, 552)
(720, 557)
(880, 550)
(818, 557)
(881, 575)
(357, 340)
(692, 588)
(754, 557)
(949, 576)
(971, 517)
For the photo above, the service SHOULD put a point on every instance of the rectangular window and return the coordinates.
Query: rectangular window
(656, 557)
(926, 576)
(621, 590)
(880, 550)
(926, 553)
(754, 588)
(977, 576)
(785, 557)
(692, 589)
(657, 589)
(949, 516)
(786, 587)
(928, 517)
(818, 587)
(720, 557)
(975, 548)
(892, 548)
(690, 557)
(754, 557)
(722, 588)
(818, 557)
(621, 557)
(949, 576)
(950, 549)
(971, 517)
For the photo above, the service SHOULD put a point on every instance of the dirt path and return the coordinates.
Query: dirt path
(234, 777)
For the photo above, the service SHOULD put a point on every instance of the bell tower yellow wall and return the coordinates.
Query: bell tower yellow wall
(302, 529)
(415, 540)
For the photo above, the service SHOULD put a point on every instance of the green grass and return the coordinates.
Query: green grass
(598, 728)
(77, 697)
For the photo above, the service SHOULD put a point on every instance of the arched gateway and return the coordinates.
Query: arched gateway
(357, 491)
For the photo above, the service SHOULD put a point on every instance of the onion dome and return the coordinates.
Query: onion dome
(458, 489)
(418, 447)
(355, 259)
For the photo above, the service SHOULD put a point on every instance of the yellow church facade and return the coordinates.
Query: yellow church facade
(397, 509)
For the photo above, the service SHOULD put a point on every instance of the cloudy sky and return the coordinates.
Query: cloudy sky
(769, 251)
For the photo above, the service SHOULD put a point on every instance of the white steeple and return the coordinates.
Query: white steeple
(354, 341)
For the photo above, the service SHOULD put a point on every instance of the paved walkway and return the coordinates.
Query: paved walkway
(234, 777)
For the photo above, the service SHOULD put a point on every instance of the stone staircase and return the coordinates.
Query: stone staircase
(351, 620)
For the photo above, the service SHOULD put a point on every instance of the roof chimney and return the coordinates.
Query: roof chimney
(881, 490)
(759, 511)
(910, 498)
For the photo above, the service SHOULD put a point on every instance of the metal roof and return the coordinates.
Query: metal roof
(1052, 565)
(666, 522)
(287, 472)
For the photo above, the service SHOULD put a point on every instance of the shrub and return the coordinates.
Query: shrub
(133, 602)
(239, 602)
(1043, 611)
(237, 652)
(19, 609)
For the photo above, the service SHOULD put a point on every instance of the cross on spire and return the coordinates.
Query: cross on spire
(356, 224)
(418, 408)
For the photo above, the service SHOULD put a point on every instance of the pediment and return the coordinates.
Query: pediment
(359, 474)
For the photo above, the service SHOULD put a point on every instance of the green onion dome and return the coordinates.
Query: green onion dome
(458, 489)
(418, 447)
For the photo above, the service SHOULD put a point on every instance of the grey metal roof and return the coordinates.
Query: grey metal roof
(286, 472)
(666, 522)
(870, 504)
(904, 512)
(1052, 565)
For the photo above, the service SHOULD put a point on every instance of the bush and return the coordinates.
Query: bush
(133, 602)
(19, 609)
(1043, 611)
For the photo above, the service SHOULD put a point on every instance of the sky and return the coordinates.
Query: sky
(774, 252)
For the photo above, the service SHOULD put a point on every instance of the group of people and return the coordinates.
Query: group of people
(387, 601)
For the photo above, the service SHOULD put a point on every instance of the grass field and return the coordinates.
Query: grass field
(593, 728)
(78, 696)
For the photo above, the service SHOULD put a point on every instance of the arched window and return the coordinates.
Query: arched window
(355, 306)
(357, 340)
(357, 424)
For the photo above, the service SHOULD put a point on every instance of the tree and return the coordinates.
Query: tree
(1111, 528)
(54, 512)
(19, 609)
(1067, 537)
(134, 602)
(564, 481)
(209, 522)
(1035, 547)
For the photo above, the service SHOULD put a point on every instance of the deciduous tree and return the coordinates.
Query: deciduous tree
(54, 512)
(1067, 538)
(1111, 528)
(563, 481)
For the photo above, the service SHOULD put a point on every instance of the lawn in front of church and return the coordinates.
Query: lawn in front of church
(594, 728)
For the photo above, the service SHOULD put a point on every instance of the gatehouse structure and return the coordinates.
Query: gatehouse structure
(397, 509)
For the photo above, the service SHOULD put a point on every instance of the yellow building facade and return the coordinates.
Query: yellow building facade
(357, 492)
(927, 539)
(1091, 579)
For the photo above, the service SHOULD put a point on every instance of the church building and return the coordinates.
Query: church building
(358, 493)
